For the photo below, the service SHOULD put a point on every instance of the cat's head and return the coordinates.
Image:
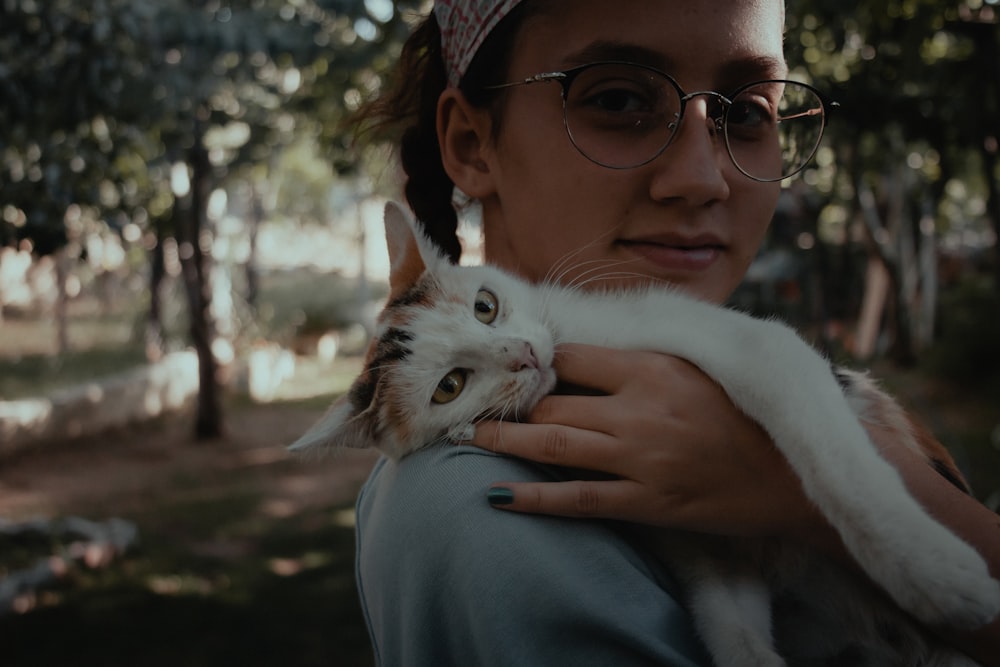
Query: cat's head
(453, 345)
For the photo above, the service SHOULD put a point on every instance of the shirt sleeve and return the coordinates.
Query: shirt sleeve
(445, 579)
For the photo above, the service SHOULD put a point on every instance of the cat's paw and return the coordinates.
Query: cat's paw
(950, 587)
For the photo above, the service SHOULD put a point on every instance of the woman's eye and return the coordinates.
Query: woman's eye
(620, 100)
(486, 306)
(450, 386)
(748, 116)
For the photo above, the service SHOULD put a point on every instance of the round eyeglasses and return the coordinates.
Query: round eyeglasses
(622, 115)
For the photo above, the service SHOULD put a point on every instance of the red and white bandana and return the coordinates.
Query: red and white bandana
(464, 25)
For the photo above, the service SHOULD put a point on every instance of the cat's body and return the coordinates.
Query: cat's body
(460, 344)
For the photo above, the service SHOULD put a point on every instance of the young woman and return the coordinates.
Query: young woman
(446, 579)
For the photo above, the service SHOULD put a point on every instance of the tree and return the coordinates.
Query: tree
(62, 71)
(138, 111)
(918, 85)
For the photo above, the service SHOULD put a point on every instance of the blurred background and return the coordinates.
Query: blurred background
(191, 256)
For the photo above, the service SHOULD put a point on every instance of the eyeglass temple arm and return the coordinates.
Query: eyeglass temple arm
(811, 112)
(544, 76)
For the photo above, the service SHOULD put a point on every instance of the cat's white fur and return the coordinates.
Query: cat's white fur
(764, 367)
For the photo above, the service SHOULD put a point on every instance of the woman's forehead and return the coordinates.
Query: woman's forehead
(726, 39)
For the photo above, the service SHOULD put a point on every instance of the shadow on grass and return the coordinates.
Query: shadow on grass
(235, 593)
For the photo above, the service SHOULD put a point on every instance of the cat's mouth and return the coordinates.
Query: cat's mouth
(541, 386)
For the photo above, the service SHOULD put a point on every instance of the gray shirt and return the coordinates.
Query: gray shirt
(445, 579)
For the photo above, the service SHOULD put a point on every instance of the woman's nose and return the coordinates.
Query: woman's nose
(695, 166)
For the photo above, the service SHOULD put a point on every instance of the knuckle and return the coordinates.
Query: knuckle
(555, 445)
(542, 412)
(588, 500)
(533, 499)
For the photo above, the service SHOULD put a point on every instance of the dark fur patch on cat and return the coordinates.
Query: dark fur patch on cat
(417, 295)
(390, 349)
(844, 379)
(948, 473)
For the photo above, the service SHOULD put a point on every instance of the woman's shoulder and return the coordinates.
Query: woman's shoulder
(438, 494)
(430, 548)
(444, 478)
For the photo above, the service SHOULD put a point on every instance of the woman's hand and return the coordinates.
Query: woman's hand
(682, 455)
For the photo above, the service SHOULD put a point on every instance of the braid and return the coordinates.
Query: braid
(411, 103)
(428, 189)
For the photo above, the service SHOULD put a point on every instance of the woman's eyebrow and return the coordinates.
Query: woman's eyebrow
(732, 73)
(737, 72)
(617, 51)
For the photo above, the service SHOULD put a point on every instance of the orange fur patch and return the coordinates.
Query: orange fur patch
(406, 270)
(883, 410)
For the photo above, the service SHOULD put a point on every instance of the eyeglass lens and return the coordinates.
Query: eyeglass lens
(621, 116)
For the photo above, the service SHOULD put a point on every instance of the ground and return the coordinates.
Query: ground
(245, 553)
(126, 472)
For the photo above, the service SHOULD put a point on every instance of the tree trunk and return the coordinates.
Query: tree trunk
(194, 260)
(928, 275)
(891, 238)
(993, 202)
(62, 300)
(154, 322)
(255, 212)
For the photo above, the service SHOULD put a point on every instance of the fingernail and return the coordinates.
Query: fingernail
(464, 434)
(500, 495)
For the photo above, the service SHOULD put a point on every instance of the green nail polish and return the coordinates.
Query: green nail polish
(500, 495)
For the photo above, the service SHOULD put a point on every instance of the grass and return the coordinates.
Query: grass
(105, 338)
(285, 597)
(101, 342)
(223, 573)
(41, 374)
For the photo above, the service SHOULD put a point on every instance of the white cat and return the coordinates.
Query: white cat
(456, 345)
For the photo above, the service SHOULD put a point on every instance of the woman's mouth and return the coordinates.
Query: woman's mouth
(675, 255)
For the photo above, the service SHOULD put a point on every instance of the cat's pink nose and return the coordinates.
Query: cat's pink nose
(524, 358)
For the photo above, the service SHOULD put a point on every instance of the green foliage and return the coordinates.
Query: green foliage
(98, 100)
(37, 375)
(308, 302)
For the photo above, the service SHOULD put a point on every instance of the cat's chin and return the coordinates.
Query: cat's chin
(546, 382)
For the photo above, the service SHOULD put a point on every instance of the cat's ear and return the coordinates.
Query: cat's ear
(340, 427)
(406, 257)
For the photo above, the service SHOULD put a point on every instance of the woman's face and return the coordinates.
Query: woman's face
(688, 217)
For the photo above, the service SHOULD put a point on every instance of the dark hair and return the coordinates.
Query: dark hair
(407, 113)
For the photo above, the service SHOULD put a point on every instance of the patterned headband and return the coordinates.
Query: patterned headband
(464, 25)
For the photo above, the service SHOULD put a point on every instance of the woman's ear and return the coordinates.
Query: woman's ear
(465, 142)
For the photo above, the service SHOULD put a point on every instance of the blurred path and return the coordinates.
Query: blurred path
(127, 472)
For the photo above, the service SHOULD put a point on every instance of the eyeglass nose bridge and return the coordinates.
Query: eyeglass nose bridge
(718, 121)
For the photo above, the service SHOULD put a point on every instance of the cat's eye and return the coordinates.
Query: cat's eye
(486, 306)
(450, 386)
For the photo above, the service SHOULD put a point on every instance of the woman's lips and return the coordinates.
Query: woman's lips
(677, 256)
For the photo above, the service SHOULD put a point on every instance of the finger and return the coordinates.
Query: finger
(600, 368)
(608, 370)
(605, 499)
(551, 444)
(592, 413)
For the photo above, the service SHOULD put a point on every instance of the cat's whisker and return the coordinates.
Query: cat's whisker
(594, 265)
(618, 276)
(601, 268)
(562, 266)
